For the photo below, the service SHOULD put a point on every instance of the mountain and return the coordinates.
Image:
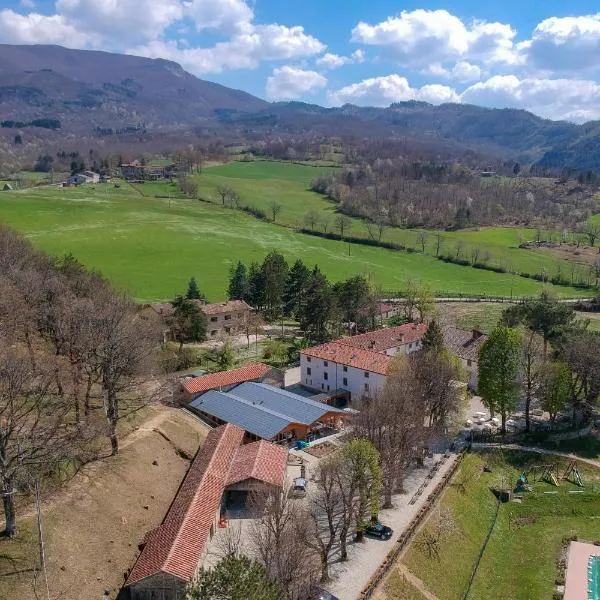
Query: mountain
(87, 89)
(94, 93)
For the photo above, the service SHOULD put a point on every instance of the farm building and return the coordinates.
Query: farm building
(191, 387)
(358, 364)
(226, 318)
(221, 480)
(268, 413)
(466, 345)
(7, 187)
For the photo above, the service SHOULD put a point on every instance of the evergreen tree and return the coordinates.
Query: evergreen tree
(188, 322)
(317, 308)
(353, 297)
(238, 283)
(274, 276)
(193, 291)
(433, 338)
(255, 286)
(295, 288)
(234, 578)
(499, 361)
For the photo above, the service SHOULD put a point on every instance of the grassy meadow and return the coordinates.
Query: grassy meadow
(519, 561)
(149, 239)
(261, 183)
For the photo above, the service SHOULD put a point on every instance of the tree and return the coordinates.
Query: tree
(256, 286)
(422, 240)
(275, 208)
(43, 163)
(193, 291)
(363, 464)
(342, 223)
(239, 284)
(225, 193)
(225, 356)
(592, 232)
(393, 423)
(498, 371)
(555, 387)
(34, 426)
(234, 578)
(417, 298)
(18, 140)
(516, 169)
(188, 322)
(295, 288)
(274, 277)
(317, 308)
(311, 218)
(353, 296)
(544, 315)
(434, 533)
(433, 340)
(531, 363)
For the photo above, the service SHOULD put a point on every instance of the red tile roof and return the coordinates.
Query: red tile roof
(224, 307)
(214, 381)
(389, 337)
(343, 354)
(259, 460)
(176, 546)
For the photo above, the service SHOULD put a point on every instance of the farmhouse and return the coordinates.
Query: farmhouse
(135, 171)
(191, 387)
(268, 413)
(359, 364)
(226, 318)
(221, 479)
(466, 345)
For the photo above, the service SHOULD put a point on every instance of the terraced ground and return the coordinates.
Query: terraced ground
(149, 239)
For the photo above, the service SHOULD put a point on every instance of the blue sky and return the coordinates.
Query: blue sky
(541, 56)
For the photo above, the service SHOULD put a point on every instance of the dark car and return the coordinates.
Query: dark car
(321, 594)
(378, 530)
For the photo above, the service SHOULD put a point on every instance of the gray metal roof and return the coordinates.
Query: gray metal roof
(260, 408)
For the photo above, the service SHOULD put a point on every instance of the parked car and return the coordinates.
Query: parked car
(299, 487)
(379, 530)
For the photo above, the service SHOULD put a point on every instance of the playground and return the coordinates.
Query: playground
(501, 529)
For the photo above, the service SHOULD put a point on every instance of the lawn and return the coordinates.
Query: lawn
(262, 183)
(152, 246)
(519, 562)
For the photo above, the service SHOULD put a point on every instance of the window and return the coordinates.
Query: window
(228, 317)
(308, 359)
(325, 363)
(410, 345)
(366, 387)
(327, 388)
(325, 376)
(214, 319)
(227, 329)
(367, 374)
(322, 386)
(308, 371)
(214, 332)
(345, 369)
(345, 381)
(469, 363)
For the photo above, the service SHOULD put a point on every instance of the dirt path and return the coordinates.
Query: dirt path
(587, 461)
(416, 582)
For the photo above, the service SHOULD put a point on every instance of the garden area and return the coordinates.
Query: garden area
(449, 556)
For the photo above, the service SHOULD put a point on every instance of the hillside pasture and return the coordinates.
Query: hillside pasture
(152, 246)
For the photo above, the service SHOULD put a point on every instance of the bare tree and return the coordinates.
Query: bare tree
(434, 533)
(343, 223)
(325, 222)
(422, 240)
(325, 514)
(532, 350)
(225, 193)
(592, 232)
(278, 541)
(275, 208)
(311, 218)
(34, 429)
(438, 243)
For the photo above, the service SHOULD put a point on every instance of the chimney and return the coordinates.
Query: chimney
(401, 338)
(372, 344)
(476, 334)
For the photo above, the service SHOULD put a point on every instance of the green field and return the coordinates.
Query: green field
(261, 183)
(151, 246)
(519, 561)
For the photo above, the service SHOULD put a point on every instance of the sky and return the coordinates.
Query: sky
(540, 55)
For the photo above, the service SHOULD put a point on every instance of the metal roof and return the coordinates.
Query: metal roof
(261, 409)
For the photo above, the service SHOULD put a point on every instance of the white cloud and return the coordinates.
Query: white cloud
(244, 51)
(464, 71)
(331, 61)
(382, 91)
(420, 37)
(121, 20)
(27, 3)
(570, 99)
(35, 28)
(564, 44)
(288, 83)
(224, 16)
